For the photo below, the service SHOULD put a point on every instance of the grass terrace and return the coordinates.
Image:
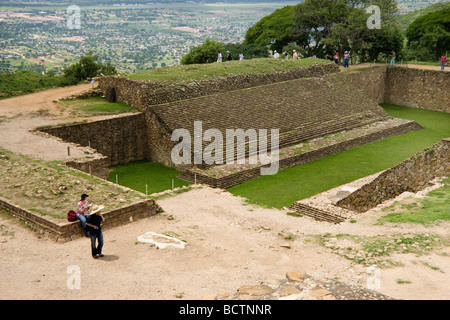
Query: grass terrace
(52, 189)
(94, 106)
(193, 72)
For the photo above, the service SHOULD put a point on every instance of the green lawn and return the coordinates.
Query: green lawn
(184, 73)
(137, 175)
(303, 181)
(94, 106)
(99, 105)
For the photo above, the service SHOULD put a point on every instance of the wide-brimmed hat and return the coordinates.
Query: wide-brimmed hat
(97, 209)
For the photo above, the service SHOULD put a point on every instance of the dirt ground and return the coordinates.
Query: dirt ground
(229, 243)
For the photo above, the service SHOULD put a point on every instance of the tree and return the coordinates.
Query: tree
(273, 30)
(313, 23)
(87, 67)
(204, 53)
(323, 27)
(250, 51)
(429, 36)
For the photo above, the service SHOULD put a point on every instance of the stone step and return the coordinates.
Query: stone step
(316, 213)
(301, 134)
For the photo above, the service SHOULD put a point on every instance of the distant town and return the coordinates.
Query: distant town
(49, 37)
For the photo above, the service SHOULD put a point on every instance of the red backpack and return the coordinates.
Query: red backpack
(72, 216)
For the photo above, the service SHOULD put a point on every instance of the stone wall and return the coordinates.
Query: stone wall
(410, 175)
(63, 231)
(146, 93)
(160, 145)
(370, 80)
(97, 167)
(416, 88)
(122, 139)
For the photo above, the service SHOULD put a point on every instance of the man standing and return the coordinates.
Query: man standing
(346, 59)
(93, 224)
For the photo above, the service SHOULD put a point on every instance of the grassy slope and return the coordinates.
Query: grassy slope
(406, 19)
(184, 73)
(303, 181)
(25, 82)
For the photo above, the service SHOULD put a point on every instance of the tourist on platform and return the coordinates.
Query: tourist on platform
(336, 58)
(443, 61)
(83, 207)
(393, 58)
(229, 56)
(346, 59)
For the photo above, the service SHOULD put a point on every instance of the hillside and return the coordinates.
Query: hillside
(406, 19)
(407, 6)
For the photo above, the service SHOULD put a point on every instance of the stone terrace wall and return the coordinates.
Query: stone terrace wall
(410, 175)
(370, 80)
(416, 88)
(145, 93)
(98, 167)
(63, 231)
(122, 139)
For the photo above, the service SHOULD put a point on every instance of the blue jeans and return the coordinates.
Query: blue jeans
(346, 63)
(442, 65)
(83, 220)
(96, 249)
(392, 61)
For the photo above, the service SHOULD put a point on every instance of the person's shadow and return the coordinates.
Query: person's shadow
(109, 257)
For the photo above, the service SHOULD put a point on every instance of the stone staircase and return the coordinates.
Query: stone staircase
(301, 109)
(315, 213)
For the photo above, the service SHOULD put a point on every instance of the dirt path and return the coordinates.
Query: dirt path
(42, 100)
(20, 115)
